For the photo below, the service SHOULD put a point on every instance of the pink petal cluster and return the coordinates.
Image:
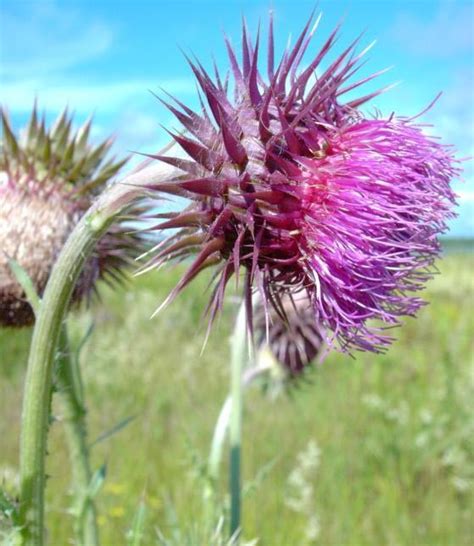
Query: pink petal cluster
(371, 211)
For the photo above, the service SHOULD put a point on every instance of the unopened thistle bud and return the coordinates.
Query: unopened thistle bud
(48, 179)
(290, 333)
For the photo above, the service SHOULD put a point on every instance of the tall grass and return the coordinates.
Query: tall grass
(394, 433)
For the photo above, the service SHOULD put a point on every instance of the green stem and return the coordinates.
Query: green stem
(222, 424)
(218, 439)
(74, 412)
(38, 381)
(238, 359)
(217, 446)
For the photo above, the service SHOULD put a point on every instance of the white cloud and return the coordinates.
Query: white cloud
(138, 131)
(43, 46)
(19, 95)
(56, 41)
(41, 37)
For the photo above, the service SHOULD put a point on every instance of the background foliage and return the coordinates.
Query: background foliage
(374, 450)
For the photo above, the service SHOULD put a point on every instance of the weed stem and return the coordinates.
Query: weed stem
(39, 376)
(238, 359)
(70, 387)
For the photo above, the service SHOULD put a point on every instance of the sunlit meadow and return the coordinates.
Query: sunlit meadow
(323, 193)
(376, 450)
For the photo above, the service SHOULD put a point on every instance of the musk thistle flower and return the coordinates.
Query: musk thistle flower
(48, 179)
(296, 186)
(294, 338)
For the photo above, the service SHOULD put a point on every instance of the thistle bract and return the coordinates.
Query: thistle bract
(48, 179)
(291, 334)
(298, 188)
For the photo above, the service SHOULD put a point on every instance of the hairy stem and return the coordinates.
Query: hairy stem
(70, 387)
(38, 382)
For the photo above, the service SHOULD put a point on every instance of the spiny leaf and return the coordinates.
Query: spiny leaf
(26, 283)
(118, 427)
(7, 507)
(97, 481)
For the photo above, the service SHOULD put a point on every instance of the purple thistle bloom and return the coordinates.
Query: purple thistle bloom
(299, 189)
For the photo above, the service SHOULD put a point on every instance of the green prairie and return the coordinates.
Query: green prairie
(371, 450)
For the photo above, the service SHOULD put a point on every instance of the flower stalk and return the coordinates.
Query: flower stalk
(70, 386)
(238, 359)
(218, 442)
(38, 382)
(222, 423)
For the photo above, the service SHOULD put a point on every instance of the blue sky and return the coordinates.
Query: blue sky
(105, 56)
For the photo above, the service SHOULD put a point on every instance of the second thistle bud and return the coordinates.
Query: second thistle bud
(49, 177)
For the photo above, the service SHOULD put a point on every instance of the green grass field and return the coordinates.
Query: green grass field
(394, 432)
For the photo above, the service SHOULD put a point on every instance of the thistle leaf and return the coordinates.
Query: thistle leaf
(26, 283)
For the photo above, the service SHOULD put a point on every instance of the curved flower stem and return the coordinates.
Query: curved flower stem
(70, 387)
(38, 381)
(218, 441)
(238, 359)
(222, 424)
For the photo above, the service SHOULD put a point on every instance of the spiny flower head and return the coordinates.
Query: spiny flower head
(298, 188)
(293, 337)
(48, 179)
